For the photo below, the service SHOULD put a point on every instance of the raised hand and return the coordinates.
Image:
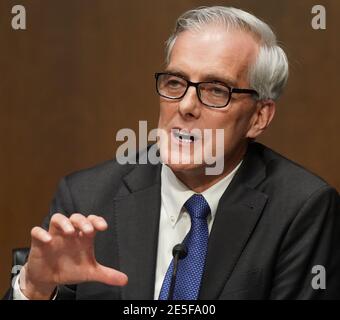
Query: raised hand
(65, 255)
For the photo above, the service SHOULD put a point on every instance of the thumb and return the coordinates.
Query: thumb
(109, 276)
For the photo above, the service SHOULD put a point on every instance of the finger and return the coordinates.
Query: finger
(60, 222)
(82, 224)
(98, 223)
(109, 276)
(40, 235)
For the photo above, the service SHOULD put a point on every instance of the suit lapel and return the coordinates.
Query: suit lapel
(137, 211)
(238, 212)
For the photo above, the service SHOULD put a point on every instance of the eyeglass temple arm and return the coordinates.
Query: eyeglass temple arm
(238, 90)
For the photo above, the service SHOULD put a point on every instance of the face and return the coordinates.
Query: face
(210, 55)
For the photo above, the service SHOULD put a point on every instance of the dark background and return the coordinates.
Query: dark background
(83, 69)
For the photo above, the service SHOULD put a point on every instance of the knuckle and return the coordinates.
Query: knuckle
(57, 217)
(76, 216)
(35, 231)
(54, 217)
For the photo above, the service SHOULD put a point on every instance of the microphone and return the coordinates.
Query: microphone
(179, 252)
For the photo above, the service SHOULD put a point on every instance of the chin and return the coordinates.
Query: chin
(187, 169)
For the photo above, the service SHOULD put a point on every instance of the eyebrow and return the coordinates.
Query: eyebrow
(206, 77)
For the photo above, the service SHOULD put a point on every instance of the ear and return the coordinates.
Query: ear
(264, 114)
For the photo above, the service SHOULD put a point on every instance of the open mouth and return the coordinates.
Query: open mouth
(184, 136)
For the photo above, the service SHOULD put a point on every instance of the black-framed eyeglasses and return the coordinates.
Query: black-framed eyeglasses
(212, 94)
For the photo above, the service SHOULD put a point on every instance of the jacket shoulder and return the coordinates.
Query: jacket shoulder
(89, 186)
(107, 170)
(285, 175)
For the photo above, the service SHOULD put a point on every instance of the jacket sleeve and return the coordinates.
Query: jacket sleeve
(308, 264)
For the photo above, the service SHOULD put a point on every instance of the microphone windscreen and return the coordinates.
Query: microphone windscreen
(180, 250)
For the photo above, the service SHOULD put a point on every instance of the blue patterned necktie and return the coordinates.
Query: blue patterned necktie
(190, 269)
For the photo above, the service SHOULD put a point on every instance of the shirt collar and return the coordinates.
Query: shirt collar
(175, 193)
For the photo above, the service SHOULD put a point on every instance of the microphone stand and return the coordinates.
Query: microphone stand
(179, 252)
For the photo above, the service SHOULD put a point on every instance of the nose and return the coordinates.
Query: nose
(189, 105)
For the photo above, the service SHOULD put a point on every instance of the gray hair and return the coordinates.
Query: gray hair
(269, 74)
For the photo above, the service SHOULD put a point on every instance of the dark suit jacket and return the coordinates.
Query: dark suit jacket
(273, 224)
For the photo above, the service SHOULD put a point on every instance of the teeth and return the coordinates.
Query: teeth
(183, 136)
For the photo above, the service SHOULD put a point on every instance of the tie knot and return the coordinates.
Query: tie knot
(197, 207)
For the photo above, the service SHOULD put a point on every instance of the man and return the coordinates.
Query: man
(254, 231)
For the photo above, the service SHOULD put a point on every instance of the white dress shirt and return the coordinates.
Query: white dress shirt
(174, 220)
